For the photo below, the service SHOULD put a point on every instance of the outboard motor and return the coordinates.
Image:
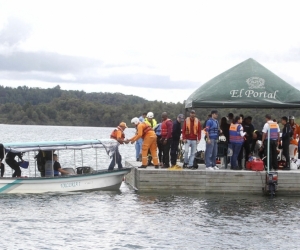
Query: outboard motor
(271, 183)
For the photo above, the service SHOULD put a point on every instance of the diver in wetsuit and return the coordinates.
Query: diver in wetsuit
(10, 160)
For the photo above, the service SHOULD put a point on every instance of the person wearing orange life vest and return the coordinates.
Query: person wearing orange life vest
(236, 138)
(294, 144)
(149, 141)
(274, 141)
(166, 138)
(118, 135)
(191, 136)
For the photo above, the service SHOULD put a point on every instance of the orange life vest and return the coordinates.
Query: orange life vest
(188, 126)
(146, 128)
(114, 133)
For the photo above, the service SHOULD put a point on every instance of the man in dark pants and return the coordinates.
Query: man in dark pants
(176, 133)
(249, 129)
(118, 135)
(166, 138)
(285, 137)
(274, 141)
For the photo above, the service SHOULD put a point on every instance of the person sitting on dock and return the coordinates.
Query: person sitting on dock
(10, 160)
(57, 168)
(118, 135)
(149, 141)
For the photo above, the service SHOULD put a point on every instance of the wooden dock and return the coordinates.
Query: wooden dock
(202, 181)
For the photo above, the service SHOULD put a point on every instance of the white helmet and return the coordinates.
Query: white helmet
(150, 115)
(135, 120)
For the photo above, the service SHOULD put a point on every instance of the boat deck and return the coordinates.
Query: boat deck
(214, 181)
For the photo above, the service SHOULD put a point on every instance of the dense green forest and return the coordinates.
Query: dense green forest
(54, 106)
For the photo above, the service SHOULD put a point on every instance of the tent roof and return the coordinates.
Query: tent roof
(246, 85)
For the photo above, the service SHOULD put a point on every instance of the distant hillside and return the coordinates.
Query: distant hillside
(54, 106)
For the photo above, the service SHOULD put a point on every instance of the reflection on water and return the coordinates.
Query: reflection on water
(129, 220)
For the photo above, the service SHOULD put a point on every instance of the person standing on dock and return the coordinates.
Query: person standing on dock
(286, 137)
(176, 133)
(150, 120)
(191, 136)
(166, 138)
(274, 141)
(118, 135)
(236, 137)
(212, 133)
(149, 141)
(293, 142)
(139, 142)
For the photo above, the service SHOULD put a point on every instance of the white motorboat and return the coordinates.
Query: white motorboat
(75, 181)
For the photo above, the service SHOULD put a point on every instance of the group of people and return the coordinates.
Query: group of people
(242, 138)
(156, 143)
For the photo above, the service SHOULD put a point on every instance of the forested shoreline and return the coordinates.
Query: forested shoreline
(54, 106)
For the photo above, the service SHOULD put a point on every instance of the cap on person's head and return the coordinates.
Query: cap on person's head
(123, 124)
(192, 111)
(291, 117)
(181, 117)
(268, 116)
(214, 112)
(230, 115)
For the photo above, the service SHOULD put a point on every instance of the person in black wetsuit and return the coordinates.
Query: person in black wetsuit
(10, 160)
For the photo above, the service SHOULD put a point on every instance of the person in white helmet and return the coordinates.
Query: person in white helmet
(152, 123)
(149, 141)
(150, 120)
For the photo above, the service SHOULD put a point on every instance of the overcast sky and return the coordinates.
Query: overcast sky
(158, 50)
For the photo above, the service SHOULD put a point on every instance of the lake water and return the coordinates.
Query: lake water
(129, 220)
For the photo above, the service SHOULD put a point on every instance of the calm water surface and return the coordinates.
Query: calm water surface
(129, 220)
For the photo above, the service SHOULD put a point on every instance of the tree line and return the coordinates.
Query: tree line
(54, 106)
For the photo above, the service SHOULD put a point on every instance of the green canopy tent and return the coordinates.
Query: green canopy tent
(246, 85)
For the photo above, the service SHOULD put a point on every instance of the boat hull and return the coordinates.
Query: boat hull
(100, 180)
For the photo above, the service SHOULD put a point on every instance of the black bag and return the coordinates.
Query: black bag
(199, 157)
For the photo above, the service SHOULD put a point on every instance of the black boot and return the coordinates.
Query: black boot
(143, 166)
(240, 164)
